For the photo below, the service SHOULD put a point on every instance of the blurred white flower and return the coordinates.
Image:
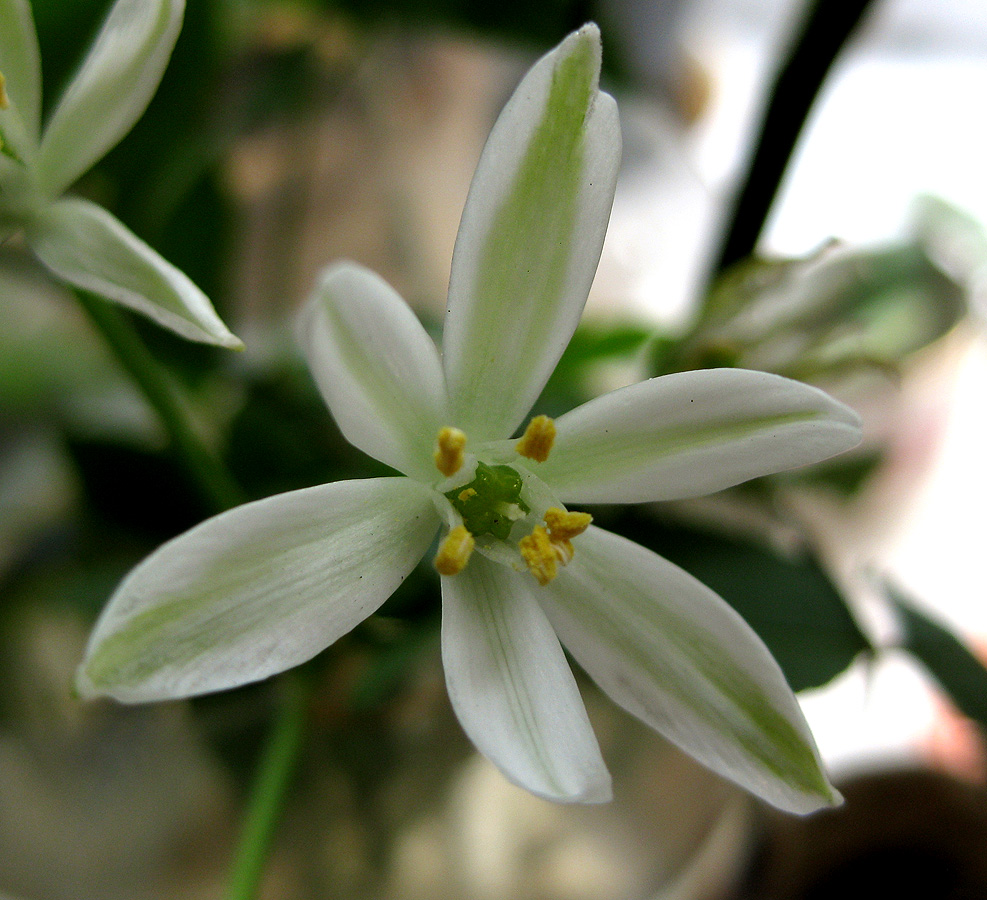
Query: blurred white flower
(78, 241)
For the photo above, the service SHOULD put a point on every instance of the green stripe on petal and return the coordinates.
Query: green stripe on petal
(670, 651)
(530, 238)
(257, 590)
(693, 433)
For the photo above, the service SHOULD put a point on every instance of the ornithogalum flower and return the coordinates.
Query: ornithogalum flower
(268, 585)
(78, 241)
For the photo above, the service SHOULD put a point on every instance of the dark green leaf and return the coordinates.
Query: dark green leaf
(960, 674)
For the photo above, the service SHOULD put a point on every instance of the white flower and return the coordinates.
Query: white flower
(268, 585)
(78, 241)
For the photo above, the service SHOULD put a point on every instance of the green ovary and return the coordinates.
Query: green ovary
(491, 503)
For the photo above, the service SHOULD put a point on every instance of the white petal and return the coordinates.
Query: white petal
(20, 64)
(84, 245)
(530, 238)
(257, 590)
(513, 690)
(111, 90)
(670, 651)
(377, 369)
(18, 198)
(693, 433)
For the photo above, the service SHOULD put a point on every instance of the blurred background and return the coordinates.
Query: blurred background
(288, 134)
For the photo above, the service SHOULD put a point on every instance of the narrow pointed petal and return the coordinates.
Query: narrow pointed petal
(670, 651)
(693, 433)
(20, 65)
(257, 590)
(83, 244)
(17, 200)
(111, 90)
(530, 238)
(377, 369)
(513, 690)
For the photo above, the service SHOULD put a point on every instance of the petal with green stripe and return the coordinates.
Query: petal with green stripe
(512, 688)
(20, 65)
(257, 590)
(530, 238)
(692, 433)
(111, 89)
(667, 649)
(376, 367)
(82, 244)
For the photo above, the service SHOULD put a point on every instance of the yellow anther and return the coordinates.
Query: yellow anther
(454, 551)
(545, 549)
(536, 442)
(564, 526)
(464, 495)
(4, 99)
(449, 451)
(539, 555)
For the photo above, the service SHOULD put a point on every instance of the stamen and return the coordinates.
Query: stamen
(539, 555)
(563, 525)
(544, 550)
(454, 551)
(536, 442)
(449, 455)
(465, 494)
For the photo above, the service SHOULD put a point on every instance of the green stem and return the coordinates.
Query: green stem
(210, 475)
(284, 742)
(826, 28)
(274, 774)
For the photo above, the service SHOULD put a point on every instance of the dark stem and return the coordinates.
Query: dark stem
(205, 468)
(826, 28)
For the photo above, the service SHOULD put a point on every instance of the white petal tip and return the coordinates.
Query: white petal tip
(230, 342)
(593, 794)
(589, 32)
(83, 688)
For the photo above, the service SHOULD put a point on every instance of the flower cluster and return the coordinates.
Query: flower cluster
(78, 241)
(268, 585)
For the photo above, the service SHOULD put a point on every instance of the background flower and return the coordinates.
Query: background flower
(78, 241)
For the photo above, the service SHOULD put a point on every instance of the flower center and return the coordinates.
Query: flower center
(491, 504)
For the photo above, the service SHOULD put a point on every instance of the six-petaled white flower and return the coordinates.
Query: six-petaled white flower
(79, 241)
(266, 586)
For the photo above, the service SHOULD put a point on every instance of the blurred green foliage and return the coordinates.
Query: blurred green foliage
(954, 665)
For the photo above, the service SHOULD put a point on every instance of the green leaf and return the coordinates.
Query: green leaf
(959, 673)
